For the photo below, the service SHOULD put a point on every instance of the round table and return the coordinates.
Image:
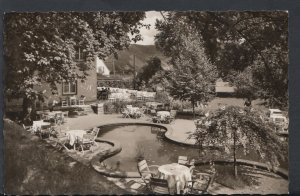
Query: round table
(163, 113)
(40, 124)
(52, 114)
(133, 110)
(176, 175)
(73, 134)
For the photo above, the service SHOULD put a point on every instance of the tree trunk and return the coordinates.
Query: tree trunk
(193, 104)
(234, 153)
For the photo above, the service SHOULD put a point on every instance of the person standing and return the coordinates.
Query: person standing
(248, 104)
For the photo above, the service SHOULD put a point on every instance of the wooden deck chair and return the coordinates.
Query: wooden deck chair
(88, 139)
(73, 100)
(27, 128)
(61, 138)
(183, 160)
(143, 111)
(173, 115)
(156, 119)
(159, 186)
(192, 167)
(81, 100)
(64, 103)
(145, 171)
(201, 183)
(59, 118)
(137, 114)
(125, 113)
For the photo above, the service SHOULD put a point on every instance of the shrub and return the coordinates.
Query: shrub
(32, 167)
(234, 128)
(109, 108)
(189, 113)
(117, 106)
(180, 105)
(162, 97)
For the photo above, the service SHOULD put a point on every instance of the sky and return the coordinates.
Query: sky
(148, 35)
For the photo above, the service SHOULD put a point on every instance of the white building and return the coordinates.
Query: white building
(101, 67)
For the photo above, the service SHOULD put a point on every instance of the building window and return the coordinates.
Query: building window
(69, 88)
(79, 55)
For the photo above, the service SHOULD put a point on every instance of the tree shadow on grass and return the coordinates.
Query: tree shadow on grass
(247, 176)
(34, 167)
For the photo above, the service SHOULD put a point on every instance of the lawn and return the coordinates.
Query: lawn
(34, 167)
(231, 101)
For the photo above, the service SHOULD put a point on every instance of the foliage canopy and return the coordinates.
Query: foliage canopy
(234, 41)
(41, 47)
(233, 128)
(193, 75)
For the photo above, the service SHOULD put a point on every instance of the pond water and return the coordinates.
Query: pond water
(148, 142)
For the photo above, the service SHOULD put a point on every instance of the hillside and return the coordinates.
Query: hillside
(142, 53)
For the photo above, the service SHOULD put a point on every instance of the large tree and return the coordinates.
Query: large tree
(153, 65)
(193, 75)
(237, 40)
(234, 128)
(41, 47)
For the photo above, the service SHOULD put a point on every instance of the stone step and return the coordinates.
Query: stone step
(86, 108)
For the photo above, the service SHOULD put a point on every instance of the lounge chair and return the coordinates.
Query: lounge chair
(159, 186)
(145, 171)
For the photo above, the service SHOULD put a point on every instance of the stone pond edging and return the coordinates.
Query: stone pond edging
(279, 171)
(97, 160)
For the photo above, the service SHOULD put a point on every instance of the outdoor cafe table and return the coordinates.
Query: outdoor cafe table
(176, 175)
(163, 114)
(52, 114)
(40, 124)
(153, 105)
(74, 134)
(133, 110)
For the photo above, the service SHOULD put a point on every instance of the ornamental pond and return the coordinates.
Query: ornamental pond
(148, 142)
